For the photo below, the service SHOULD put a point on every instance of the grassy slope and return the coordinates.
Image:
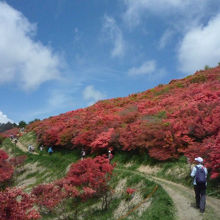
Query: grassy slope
(48, 168)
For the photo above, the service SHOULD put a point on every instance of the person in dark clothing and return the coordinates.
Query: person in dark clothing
(200, 187)
(83, 154)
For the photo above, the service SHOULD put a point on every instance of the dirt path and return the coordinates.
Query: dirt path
(184, 200)
(23, 148)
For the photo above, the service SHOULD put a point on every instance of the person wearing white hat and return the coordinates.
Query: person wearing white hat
(199, 173)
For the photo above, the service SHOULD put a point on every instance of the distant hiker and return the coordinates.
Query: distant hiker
(16, 140)
(83, 154)
(199, 173)
(29, 148)
(41, 148)
(50, 150)
(110, 156)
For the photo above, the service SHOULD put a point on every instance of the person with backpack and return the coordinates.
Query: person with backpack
(199, 173)
(50, 150)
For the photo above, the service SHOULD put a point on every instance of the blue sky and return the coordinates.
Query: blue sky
(61, 55)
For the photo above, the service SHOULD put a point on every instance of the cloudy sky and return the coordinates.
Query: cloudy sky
(61, 55)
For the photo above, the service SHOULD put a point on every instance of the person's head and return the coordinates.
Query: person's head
(199, 160)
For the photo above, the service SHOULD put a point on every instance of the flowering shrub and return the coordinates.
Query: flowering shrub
(17, 205)
(129, 193)
(85, 179)
(166, 121)
(14, 132)
(6, 170)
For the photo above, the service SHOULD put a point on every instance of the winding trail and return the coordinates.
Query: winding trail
(184, 201)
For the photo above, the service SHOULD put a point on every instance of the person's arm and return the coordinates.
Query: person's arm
(193, 173)
(206, 172)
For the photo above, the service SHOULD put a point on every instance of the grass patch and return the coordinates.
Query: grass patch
(134, 158)
(199, 78)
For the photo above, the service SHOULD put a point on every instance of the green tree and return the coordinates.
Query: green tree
(36, 119)
(207, 67)
(22, 124)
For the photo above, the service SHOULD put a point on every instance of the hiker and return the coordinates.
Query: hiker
(199, 173)
(50, 150)
(83, 154)
(41, 148)
(110, 156)
(29, 148)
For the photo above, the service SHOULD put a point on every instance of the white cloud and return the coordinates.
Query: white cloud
(200, 46)
(24, 60)
(4, 118)
(164, 40)
(60, 98)
(146, 68)
(92, 95)
(114, 33)
(136, 9)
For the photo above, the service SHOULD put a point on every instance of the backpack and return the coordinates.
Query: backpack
(200, 175)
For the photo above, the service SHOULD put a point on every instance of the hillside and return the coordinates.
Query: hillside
(182, 117)
(149, 200)
(41, 171)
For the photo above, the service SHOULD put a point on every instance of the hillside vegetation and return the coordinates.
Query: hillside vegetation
(41, 175)
(182, 117)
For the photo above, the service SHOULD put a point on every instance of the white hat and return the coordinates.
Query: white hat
(199, 159)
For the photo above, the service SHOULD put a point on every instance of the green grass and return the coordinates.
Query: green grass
(134, 158)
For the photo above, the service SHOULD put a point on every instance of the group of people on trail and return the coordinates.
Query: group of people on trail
(110, 155)
(199, 174)
(31, 149)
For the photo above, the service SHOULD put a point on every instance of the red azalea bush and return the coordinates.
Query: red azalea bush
(130, 191)
(6, 170)
(85, 179)
(48, 195)
(93, 173)
(17, 205)
(129, 194)
(167, 121)
(15, 132)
